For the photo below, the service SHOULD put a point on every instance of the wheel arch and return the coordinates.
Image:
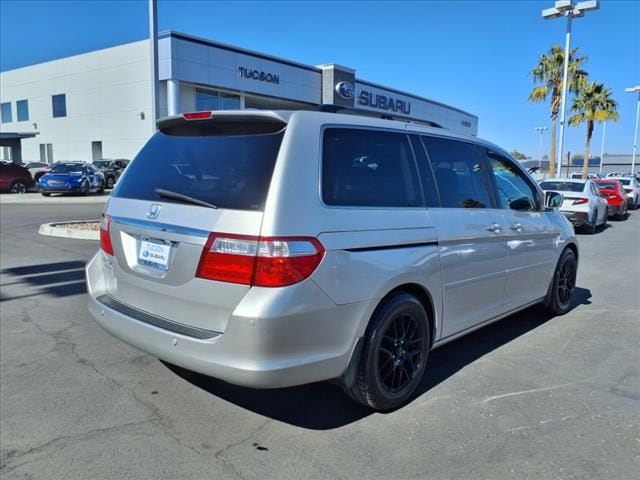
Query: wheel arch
(424, 297)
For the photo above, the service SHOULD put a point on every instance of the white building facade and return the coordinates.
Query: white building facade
(98, 105)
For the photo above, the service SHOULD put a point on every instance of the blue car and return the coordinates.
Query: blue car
(71, 177)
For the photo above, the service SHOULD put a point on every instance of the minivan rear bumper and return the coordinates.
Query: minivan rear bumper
(275, 337)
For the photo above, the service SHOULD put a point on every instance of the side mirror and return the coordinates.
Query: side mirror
(553, 199)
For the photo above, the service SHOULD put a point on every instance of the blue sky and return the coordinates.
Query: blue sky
(475, 55)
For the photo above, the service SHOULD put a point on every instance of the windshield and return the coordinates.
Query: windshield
(101, 163)
(563, 186)
(67, 168)
(226, 171)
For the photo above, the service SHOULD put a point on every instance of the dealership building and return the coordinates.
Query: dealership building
(99, 104)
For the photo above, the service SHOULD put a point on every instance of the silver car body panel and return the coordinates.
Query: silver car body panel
(471, 272)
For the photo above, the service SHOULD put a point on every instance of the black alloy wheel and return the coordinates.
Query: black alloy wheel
(18, 187)
(394, 355)
(563, 285)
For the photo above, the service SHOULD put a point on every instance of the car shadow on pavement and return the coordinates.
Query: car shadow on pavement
(60, 279)
(323, 406)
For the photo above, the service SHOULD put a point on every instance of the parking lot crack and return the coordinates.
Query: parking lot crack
(12, 455)
(525, 392)
(220, 453)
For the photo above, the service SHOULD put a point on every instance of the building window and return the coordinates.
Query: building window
(212, 100)
(22, 107)
(59, 105)
(46, 152)
(5, 112)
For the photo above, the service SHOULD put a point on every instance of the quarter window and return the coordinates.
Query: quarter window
(457, 167)
(59, 105)
(369, 168)
(514, 191)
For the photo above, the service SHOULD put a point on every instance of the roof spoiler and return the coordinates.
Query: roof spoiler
(212, 123)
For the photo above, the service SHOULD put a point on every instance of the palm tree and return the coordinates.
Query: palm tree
(592, 104)
(548, 74)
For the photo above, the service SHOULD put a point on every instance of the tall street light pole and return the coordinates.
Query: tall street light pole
(153, 41)
(566, 8)
(635, 89)
(604, 132)
(541, 130)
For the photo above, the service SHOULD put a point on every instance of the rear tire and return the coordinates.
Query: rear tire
(560, 294)
(18, 187)
(45, 194)
(592, 226)
(110, 182)
(395, 353)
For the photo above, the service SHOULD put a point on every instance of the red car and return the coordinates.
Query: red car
(14, 178)
(613, 192)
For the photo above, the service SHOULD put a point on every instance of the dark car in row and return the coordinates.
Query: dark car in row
(14, 178)
(111, 169)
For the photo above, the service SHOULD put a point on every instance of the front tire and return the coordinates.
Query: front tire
(110, 182)
(562, 288)
(395, 353)
(85, 188)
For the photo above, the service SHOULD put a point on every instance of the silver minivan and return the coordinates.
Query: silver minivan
(271, 249)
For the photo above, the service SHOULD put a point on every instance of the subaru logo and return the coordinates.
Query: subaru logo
(345, 90)
(154, 211)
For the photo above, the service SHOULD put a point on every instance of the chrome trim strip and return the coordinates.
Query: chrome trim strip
(160, 227)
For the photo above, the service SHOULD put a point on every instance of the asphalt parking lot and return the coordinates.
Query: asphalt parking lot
(528, 397)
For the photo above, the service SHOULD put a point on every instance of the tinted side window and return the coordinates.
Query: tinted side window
(457, 167)
(426, 174)
(514, 191)
(368, 168)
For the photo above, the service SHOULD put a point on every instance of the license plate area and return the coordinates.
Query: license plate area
(155, 254)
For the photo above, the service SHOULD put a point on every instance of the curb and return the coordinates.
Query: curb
(53, 230)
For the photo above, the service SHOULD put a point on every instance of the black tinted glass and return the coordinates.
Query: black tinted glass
(514, 190)
(457, 167)
(229, 172)
(563, 186)
(426, 174)
(368, 168)
(66, 168)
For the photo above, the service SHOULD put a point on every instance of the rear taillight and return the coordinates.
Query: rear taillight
(262, 262)
(580, 201)
(105, 236)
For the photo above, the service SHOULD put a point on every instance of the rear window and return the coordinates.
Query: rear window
(369, 168)
(227, 171)
(625, 181)
(607, 186)
(563, 186)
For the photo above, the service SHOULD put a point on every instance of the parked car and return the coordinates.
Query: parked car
(583, 204)
(307, 246)
(591, 176)
(631, 188)
(616, 197)
(111, 169)
(14, 178)
(72, 177)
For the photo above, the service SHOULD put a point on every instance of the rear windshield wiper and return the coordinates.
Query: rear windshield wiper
(162, 193)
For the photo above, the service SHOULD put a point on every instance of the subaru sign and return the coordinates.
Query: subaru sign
(345, 90)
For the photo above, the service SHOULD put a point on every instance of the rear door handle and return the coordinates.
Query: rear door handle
(494, 228)
(516, 227)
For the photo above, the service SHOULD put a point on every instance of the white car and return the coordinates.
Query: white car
(583, 205)
(631, 189)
